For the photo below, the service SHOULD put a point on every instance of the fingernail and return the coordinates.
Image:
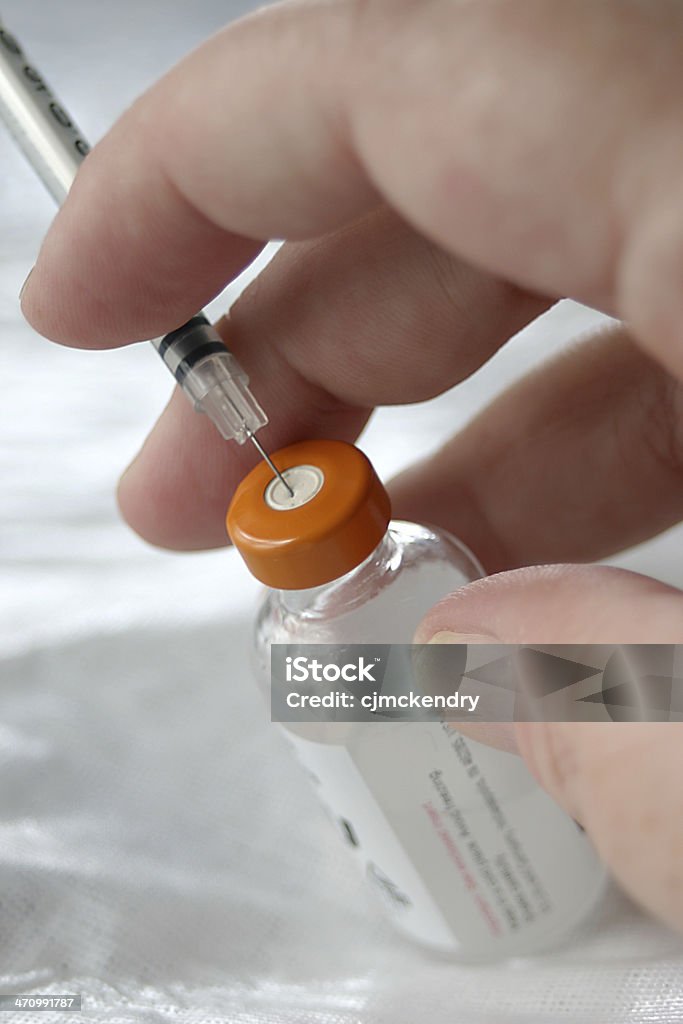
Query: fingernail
(444, 636)
(500, 735)
(26, 280)
(493, 734)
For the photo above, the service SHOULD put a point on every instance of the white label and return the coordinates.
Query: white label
(464, 849)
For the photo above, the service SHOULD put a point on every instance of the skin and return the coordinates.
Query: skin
(442, 172)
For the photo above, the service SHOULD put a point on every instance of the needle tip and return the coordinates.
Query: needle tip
(264, 455)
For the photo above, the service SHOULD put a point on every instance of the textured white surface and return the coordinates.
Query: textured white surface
(158, 851)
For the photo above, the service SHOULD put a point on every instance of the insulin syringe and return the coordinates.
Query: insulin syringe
(209, 375)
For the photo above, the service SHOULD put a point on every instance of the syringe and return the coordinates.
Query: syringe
(206, 371)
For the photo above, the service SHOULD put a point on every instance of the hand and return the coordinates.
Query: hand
(442, 173)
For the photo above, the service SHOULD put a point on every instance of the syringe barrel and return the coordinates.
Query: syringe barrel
(43, 129)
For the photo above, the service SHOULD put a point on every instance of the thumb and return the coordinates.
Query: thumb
(623, 781)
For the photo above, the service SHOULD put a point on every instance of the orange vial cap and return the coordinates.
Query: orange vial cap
(337, 516)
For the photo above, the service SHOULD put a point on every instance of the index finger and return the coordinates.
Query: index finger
(181, 194)
(301, 118)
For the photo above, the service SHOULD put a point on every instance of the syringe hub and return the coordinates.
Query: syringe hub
(212, 378)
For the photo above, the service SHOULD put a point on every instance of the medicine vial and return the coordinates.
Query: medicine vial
(467, 854)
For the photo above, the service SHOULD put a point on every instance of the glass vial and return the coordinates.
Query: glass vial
(468, 855)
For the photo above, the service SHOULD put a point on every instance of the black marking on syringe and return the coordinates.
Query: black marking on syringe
(10, 43)
(193, 357)
(173, 336)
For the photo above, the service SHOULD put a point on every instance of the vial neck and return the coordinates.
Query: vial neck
(297, 601)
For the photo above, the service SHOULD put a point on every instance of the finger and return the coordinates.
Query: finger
(581, 458)
(620, 780)
(292, 122)
(240, 141)
(348, 319)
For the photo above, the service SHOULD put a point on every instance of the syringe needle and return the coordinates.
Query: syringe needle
(264, 455)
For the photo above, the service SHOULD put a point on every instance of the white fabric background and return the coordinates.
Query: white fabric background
(159, 853)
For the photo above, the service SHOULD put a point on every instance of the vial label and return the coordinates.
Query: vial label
(387, 868)
(465, 851)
